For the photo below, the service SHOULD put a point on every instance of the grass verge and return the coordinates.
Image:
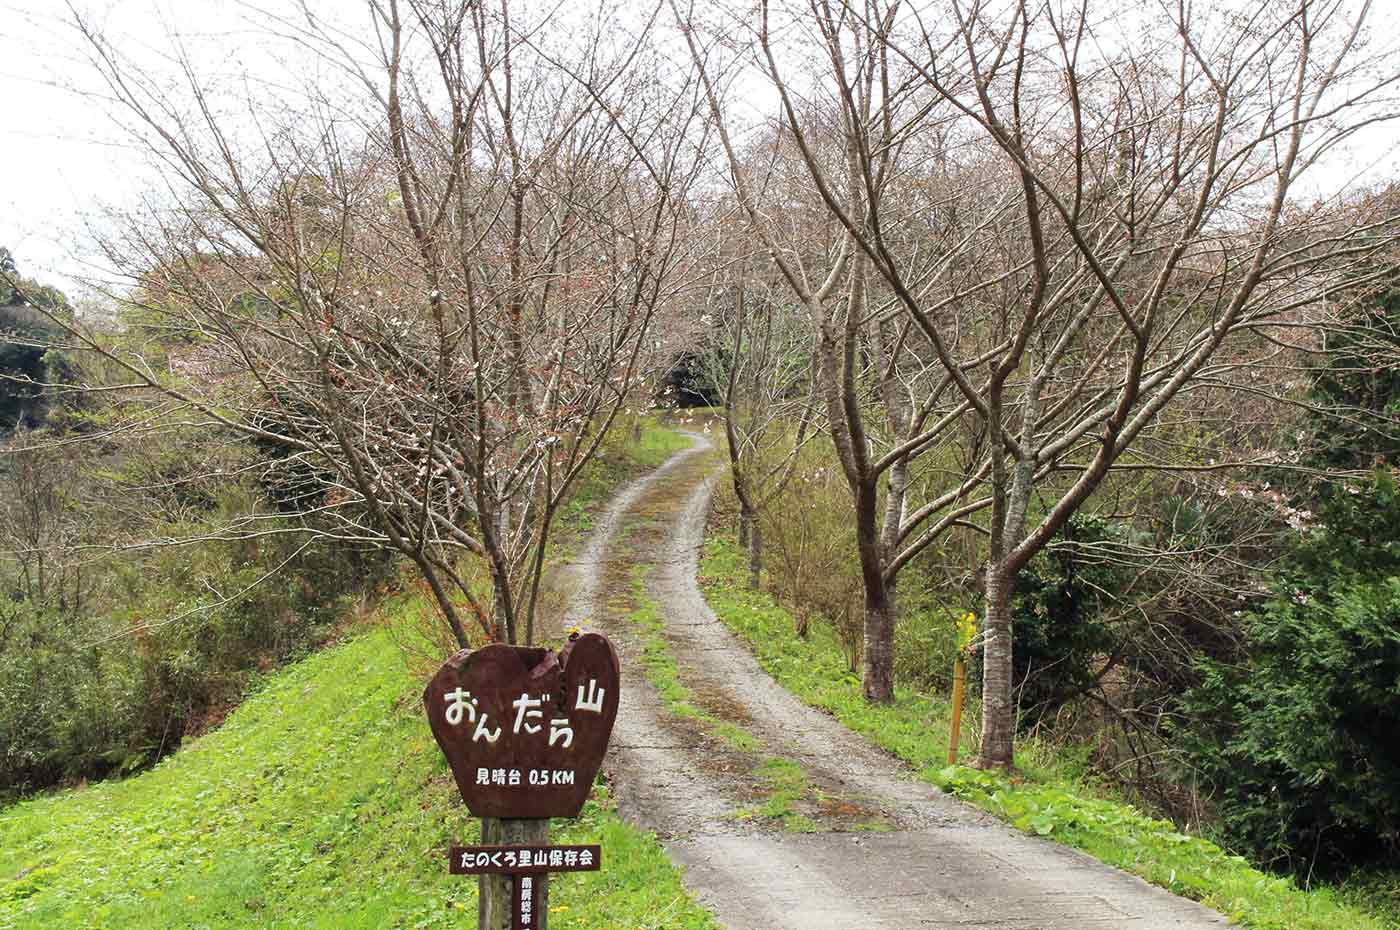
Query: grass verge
(636, 445)
(321, 803)
(664, 674)
(1040, 800)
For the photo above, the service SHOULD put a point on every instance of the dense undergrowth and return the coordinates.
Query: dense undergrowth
(1050, 795)
(126, 649)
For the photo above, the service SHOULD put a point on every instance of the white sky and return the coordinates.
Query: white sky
(63, 159)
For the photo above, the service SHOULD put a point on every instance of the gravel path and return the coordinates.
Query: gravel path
(888, 851)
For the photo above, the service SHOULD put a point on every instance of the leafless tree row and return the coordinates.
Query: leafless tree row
(991, 250)
(1054, 225)
(428, 285)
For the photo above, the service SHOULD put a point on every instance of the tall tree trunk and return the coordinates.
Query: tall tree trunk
(755, 552)
(998, 711)
(444, 601)
(745, 516)
(878, 655)
(504, 622)
(494, 891)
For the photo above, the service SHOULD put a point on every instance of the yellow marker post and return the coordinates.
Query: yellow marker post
(959, 681)
(967, 629)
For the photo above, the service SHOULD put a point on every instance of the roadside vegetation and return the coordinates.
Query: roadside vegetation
(998, 315)
(322, 802)
(1052, 793)
(1215, 645)
(149, 579)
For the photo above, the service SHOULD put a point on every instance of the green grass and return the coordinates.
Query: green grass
(1376, 890)
(1043, 798)
(321, 803)
(636, 444)
(787, 784)
(664, 674)
(657, 444)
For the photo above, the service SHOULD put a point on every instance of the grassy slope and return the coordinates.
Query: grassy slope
(1045, 800)
(321, 803)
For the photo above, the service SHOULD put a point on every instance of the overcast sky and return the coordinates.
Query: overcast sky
(63, 159)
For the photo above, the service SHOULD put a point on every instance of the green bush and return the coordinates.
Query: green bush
(156, 657)
(926, 645)
(1356, 392)
(1299, 740)
(108, 664)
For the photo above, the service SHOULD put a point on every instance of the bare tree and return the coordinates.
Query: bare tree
(39, 530)
(890, 408)
(428, 283)
(1144, 238)
(759, 361)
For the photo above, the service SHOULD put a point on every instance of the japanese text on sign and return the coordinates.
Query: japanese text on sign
(460, 707)
(526, 860)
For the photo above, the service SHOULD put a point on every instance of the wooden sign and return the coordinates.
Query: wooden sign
(524, 729)
(522, 860)
(525, 903)
(526, 865)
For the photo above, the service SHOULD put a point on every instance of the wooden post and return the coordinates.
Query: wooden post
(495, 904)
(959, 687)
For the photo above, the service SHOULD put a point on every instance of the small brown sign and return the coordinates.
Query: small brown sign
(526, 903)
(526, 866)
(522, 860)
(524, 729)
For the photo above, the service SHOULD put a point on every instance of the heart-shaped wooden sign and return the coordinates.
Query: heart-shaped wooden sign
(525, 729)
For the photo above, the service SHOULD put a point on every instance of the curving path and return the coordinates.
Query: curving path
(886, 850)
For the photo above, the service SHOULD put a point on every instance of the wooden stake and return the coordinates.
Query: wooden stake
(496, 902)
(959, 685)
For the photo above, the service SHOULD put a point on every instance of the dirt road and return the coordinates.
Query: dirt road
(780, 816)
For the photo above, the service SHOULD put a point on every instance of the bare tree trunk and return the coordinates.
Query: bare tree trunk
(745, 518)
(878, 654)
(495, 891)
(998, 714)
(503, 622)
(444, 602)
(755, 553)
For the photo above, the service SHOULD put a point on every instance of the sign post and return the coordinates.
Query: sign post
(524, 731)
(527, 870)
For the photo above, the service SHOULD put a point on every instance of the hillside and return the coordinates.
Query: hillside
(321, 803)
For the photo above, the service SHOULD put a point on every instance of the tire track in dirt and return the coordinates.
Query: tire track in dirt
(887, 851)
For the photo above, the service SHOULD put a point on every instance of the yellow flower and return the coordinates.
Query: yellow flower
(967, 629)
